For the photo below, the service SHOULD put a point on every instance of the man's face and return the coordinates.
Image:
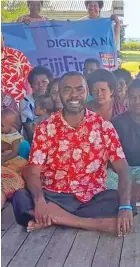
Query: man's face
(73, 94)
(134, 101)
(40, 84)
(89, 68)
(93, 9)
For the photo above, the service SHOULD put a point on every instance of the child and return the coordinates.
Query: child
(43, 109)
(11, 161)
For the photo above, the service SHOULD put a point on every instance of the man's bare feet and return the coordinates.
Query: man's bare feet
(32, 225)
(58, 216)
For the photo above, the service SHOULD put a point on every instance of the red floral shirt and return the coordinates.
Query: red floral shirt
(75, 160)
(15, 68)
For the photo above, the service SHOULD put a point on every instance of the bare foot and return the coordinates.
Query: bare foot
(33, 226)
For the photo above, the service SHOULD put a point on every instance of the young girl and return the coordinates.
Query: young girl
(12, 162)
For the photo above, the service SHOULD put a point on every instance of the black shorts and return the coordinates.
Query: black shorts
(103, 205)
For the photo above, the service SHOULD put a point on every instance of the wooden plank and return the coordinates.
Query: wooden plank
(108, 251)
(58, 248)
(33, 247)
(131, 247)
(8, 219)
(83, 249)
(11, 242)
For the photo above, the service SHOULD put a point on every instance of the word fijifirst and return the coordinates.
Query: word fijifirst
(55, 43)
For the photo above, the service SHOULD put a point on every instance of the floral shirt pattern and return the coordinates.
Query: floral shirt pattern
(15, 68)
(75, 160)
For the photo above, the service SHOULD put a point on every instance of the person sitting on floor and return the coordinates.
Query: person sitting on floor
(8, 102)
(128, 129)
(11, 140)
(43, 109)
(39, 79)
(123, 78)
(53, 92)
(11, 159)
(66, 172)
(90, 65)
(102, 86)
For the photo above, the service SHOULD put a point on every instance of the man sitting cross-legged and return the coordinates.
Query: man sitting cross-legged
(66, 173)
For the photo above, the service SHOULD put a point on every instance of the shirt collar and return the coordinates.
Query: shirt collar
(60, 114)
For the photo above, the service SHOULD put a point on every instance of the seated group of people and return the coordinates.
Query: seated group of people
(79, 172)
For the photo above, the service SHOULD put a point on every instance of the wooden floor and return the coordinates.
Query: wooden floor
(65, 247)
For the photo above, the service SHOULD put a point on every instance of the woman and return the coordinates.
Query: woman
(94, 9)
(128, 129)
(103, 87)
(34, 8)
(39, 79)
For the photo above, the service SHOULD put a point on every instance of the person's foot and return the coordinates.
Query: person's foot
(32, 225)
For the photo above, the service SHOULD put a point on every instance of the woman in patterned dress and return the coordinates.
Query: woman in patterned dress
(34, 15)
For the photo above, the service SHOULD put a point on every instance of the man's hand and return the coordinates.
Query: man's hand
(125, 222)
(42, 215)
(115, 19)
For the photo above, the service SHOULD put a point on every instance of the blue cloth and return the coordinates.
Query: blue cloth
(66, 45)
(90, 98)
(24, 149)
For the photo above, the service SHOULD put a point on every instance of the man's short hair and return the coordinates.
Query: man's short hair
(102, 75)
(38, 71)
(100, 3)
(135, 84)
(92, 60)
(71, 74)
(124, 74)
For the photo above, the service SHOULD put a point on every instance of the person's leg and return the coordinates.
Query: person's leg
(23, 206)
(94, 215)
(3, 199)
(65, 218)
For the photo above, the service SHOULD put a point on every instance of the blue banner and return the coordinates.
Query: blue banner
(62, 45)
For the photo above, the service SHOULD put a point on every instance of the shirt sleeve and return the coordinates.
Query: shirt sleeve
(113, 145)
(39, 149)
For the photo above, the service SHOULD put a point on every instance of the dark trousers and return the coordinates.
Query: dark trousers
(103, 205)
